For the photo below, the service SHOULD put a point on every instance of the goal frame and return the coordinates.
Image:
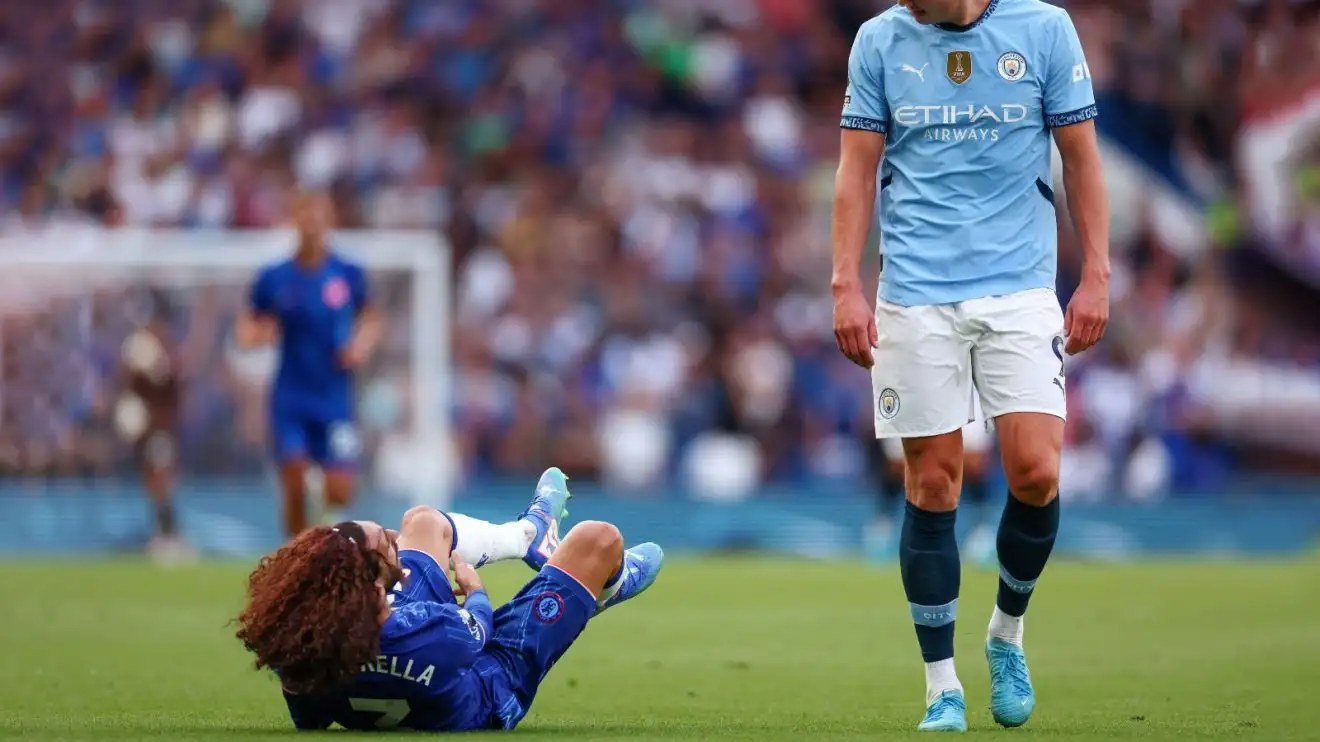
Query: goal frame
(425, 255)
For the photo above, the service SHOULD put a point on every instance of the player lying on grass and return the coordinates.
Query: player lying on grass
(363, 629)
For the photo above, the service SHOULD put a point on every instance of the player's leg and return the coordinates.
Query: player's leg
(532, 537)
(1019, 372)
(156, 456)
(923, 389)
(335, 447)
(588, 573)
(932, 571)
(289, 440)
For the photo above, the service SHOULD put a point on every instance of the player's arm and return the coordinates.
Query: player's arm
(306, 714)
(367, 327)
(1070, 112)
(447, 634)
(257, 324)
(864, 122)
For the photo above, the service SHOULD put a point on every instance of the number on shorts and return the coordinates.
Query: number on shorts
(392, 710)
(1057, 346)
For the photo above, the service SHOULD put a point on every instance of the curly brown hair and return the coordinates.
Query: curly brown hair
(314, 608)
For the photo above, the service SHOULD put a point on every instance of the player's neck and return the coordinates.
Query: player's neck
(971, 12)
(310, 253)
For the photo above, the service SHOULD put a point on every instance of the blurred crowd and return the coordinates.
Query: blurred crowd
(637, 194)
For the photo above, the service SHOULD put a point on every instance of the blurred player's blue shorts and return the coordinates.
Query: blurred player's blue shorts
(334, 445)
(532, 631)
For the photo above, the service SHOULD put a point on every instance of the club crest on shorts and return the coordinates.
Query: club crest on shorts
(959, 67)
(548, 607)
(887, 404)
(1012, 66)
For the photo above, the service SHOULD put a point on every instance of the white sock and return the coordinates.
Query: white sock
(611, 589)
(482, 542)
(940, 676)
(1006, 627)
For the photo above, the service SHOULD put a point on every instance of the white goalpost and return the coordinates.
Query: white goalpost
(67, 298)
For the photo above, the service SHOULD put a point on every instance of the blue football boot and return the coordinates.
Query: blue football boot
(1012, 699)
(547, 512)
(641, 565)
(948, 713)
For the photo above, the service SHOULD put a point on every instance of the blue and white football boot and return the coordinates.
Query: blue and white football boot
(641, 566)
(547, 511)
(1012, 698)
(947, 713)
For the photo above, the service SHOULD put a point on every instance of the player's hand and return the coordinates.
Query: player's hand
(465, 576)
(353, 355)
(1088, 315)
(854, 325)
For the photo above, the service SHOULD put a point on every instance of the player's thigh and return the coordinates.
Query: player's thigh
(289, 437)
(1018, 358)
(922, 378)
(534, 630)
(335, 445)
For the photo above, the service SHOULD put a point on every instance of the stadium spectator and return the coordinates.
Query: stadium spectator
(637, 196)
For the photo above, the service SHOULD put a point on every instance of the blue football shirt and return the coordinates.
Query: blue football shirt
(967, 201)
(431, 673)
(317, 309)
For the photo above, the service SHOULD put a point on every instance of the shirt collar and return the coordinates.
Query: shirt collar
(960, 29)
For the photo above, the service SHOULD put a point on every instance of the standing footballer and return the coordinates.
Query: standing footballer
(965, 95)
(316, 303)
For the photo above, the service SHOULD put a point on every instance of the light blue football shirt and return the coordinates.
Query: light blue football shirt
(966, 204)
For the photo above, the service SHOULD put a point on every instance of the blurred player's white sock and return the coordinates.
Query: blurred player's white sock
(480, 542)
(940, 676)
(1006, 627)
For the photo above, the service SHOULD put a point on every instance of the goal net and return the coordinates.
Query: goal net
(73, 305)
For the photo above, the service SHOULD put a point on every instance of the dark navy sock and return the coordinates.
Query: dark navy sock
(928, 557)
(1025, 540)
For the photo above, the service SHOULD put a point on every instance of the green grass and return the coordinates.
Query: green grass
(720, 649)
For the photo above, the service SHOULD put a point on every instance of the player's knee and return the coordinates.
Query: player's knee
(1034, 480)
(931, 486)
(601, 539)
(427, 525)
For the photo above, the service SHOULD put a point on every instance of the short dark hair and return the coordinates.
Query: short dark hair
(313, 609)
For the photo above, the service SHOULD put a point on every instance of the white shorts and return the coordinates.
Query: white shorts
(932, 362)
(977, 437)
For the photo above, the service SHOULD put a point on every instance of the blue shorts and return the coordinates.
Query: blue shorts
(331, 444)
(532, 631)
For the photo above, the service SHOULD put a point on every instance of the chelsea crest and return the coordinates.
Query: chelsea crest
(1012, 66)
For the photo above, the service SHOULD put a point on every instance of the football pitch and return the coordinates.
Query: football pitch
(729, 648)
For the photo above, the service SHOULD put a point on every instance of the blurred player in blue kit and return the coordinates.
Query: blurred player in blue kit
(317, 306)
(948, 117)
(363, 627)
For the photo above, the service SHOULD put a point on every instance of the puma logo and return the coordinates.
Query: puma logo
(918, 72)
